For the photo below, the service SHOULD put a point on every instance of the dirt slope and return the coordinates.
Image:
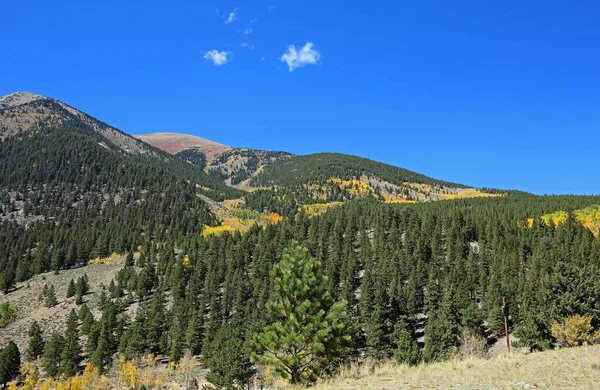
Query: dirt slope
(173, 143)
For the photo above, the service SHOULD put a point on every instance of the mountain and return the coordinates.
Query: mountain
(339, 177)
(22, 110)
(173, 259)
(174, 143)
(234, 166)
(319, 177)
(79, 188)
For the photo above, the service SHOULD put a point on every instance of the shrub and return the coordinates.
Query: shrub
(8, 313)
(574, 331)
(471, 346)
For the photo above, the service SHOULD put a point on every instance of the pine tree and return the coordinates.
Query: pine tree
(441, 332)
(376, 328)
(71, 289)
(129, 261)
(50, 299)
(36, 342)
(101, 357)
(156, 325)
(87, 319)
(10, 363)
(407, 350)
(7, 279)
(52, 353)
(71, 354)
(195, 331)
(227, 360)
(309, 331)
(82, 287)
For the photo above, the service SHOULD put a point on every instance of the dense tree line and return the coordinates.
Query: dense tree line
(296, 171)
(67, 196)
(407, 280)
(193, 156)
(432, 270)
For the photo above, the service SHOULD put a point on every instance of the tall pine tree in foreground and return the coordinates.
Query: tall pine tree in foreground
(309, 331)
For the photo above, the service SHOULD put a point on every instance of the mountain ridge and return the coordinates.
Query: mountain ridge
(320, 177)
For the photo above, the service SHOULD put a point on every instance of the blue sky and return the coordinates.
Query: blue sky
(501, 94)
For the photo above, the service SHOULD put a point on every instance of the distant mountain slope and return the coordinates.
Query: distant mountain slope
(337, 177)
(24, 111)
(233, 166)
(238, 166)
(286, 181)
(319, 167)
(21, 110)
(174, 143)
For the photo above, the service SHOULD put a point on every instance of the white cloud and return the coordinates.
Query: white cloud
(232, 16)
(254, 20)
(272, 8)
(246, 45)
(217, 57)
(247, 31)
(297, 59)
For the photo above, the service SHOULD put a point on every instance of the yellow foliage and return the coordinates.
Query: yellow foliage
(113, 259)
(529, 223)
(233, 203)
(188, 366)
(319, 208)
(91, 378)
(48, 383)
(467, 193)
(271, 218)
(576, 330)
(588, 217)
(13, 386)
(555, 219)
(216, 230)
(129, 375)
(186, 260)
(355, 187)
(32, 376)
(149, 360)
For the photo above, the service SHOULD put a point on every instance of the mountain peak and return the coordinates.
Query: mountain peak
(174, 142)
(18, 98)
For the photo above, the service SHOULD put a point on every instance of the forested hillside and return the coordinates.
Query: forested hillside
(341, 258)
(414, 278)
(67, 195)
(326, 177)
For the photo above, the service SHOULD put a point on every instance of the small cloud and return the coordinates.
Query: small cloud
(217, 11)
(297, 59)
(248, 31)
(217, 57)
(263, 58)
(254, 20)
(232, 16)
(271, 8)
(246, 45)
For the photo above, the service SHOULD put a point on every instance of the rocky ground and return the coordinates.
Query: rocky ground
(31, 308)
